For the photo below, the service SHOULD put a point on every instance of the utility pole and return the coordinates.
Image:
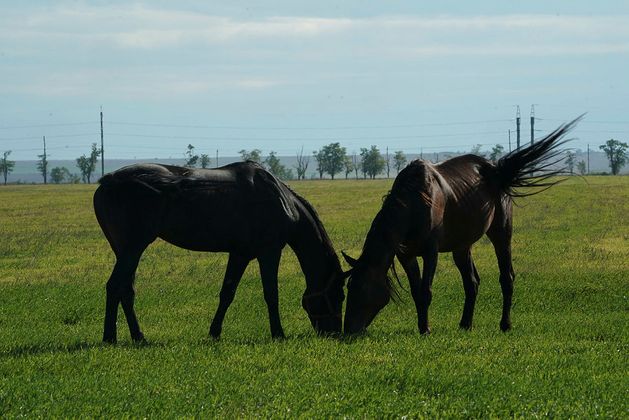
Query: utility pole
(45, 163)
(217, 158)
(509, 139)
(517, 125)
(532, 123)
(102, 145)
(588, 158)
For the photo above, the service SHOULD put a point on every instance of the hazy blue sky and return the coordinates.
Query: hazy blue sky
(279, 75)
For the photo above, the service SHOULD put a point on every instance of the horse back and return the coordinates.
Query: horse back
(237, 208)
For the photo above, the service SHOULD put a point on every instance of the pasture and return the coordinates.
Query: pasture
(566, 356)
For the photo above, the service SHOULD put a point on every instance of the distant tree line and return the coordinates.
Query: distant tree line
(331, 160)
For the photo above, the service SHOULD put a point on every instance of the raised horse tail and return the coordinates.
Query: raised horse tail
(533, 166)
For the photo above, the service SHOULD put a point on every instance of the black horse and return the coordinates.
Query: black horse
(447, 207)
(241, 209)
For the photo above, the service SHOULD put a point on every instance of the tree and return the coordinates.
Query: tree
(59, 174)
(349, 166)
(616, 152)
(330, 159)
(87, 164)
(6, 165)
(372, 161)
(254, 155)
(274, 166)
(399, 160)
(496, 152)
(62, 174)
(302, 164)
(571, 159)
(42, 166)
(581, 167)
(191, 157)
(356, 164)
(205, 161)
(363, 168)
(320, 158)
(475, 151)
(56, 175)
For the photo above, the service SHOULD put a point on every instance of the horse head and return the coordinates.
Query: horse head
(325, 307)
(368, 291)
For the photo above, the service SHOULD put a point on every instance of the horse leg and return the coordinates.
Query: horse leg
(411, 267)
(500, 235)
(269, 264)
(425, 289)
(469, 275)
(502, 246)
(236, 266)
(120, 289)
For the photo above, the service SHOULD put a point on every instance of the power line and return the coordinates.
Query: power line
(584, 121)
(48, 148)
(233, 127)
(58, 136)
(47, 125)
(328, 138)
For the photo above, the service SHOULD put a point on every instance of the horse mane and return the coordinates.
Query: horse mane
(408, 182)
(388, 201)
(321, 232)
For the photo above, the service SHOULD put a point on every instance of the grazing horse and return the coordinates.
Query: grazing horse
(446, 207)
(241, 209)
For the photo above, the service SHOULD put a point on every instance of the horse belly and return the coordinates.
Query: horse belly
(205, 236)
(239, 229)
(462, 229)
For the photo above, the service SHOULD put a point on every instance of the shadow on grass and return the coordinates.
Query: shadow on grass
(79, 346)
(50, 348)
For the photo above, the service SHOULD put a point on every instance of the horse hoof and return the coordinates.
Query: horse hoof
(139, 339)
(215, 332)
(465, 326)
(505, 326)
(424, 330)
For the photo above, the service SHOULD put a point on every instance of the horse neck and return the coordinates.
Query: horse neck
(316, 256)
(384, 237)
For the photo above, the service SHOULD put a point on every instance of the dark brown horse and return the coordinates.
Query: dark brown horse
(446, 207)
(241, 209)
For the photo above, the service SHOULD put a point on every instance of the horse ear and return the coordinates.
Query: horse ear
(351, 261)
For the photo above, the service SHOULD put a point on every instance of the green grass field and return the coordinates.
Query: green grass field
(567, 355)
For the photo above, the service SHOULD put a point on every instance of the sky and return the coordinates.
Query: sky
(285, 75)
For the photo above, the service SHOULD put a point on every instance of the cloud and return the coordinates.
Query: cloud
(145, 27)
(510, 50)
(141, 51)
(135, 83)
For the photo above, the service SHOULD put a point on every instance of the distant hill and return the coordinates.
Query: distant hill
(26, 171)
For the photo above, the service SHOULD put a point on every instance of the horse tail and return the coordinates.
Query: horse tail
(533, 166)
